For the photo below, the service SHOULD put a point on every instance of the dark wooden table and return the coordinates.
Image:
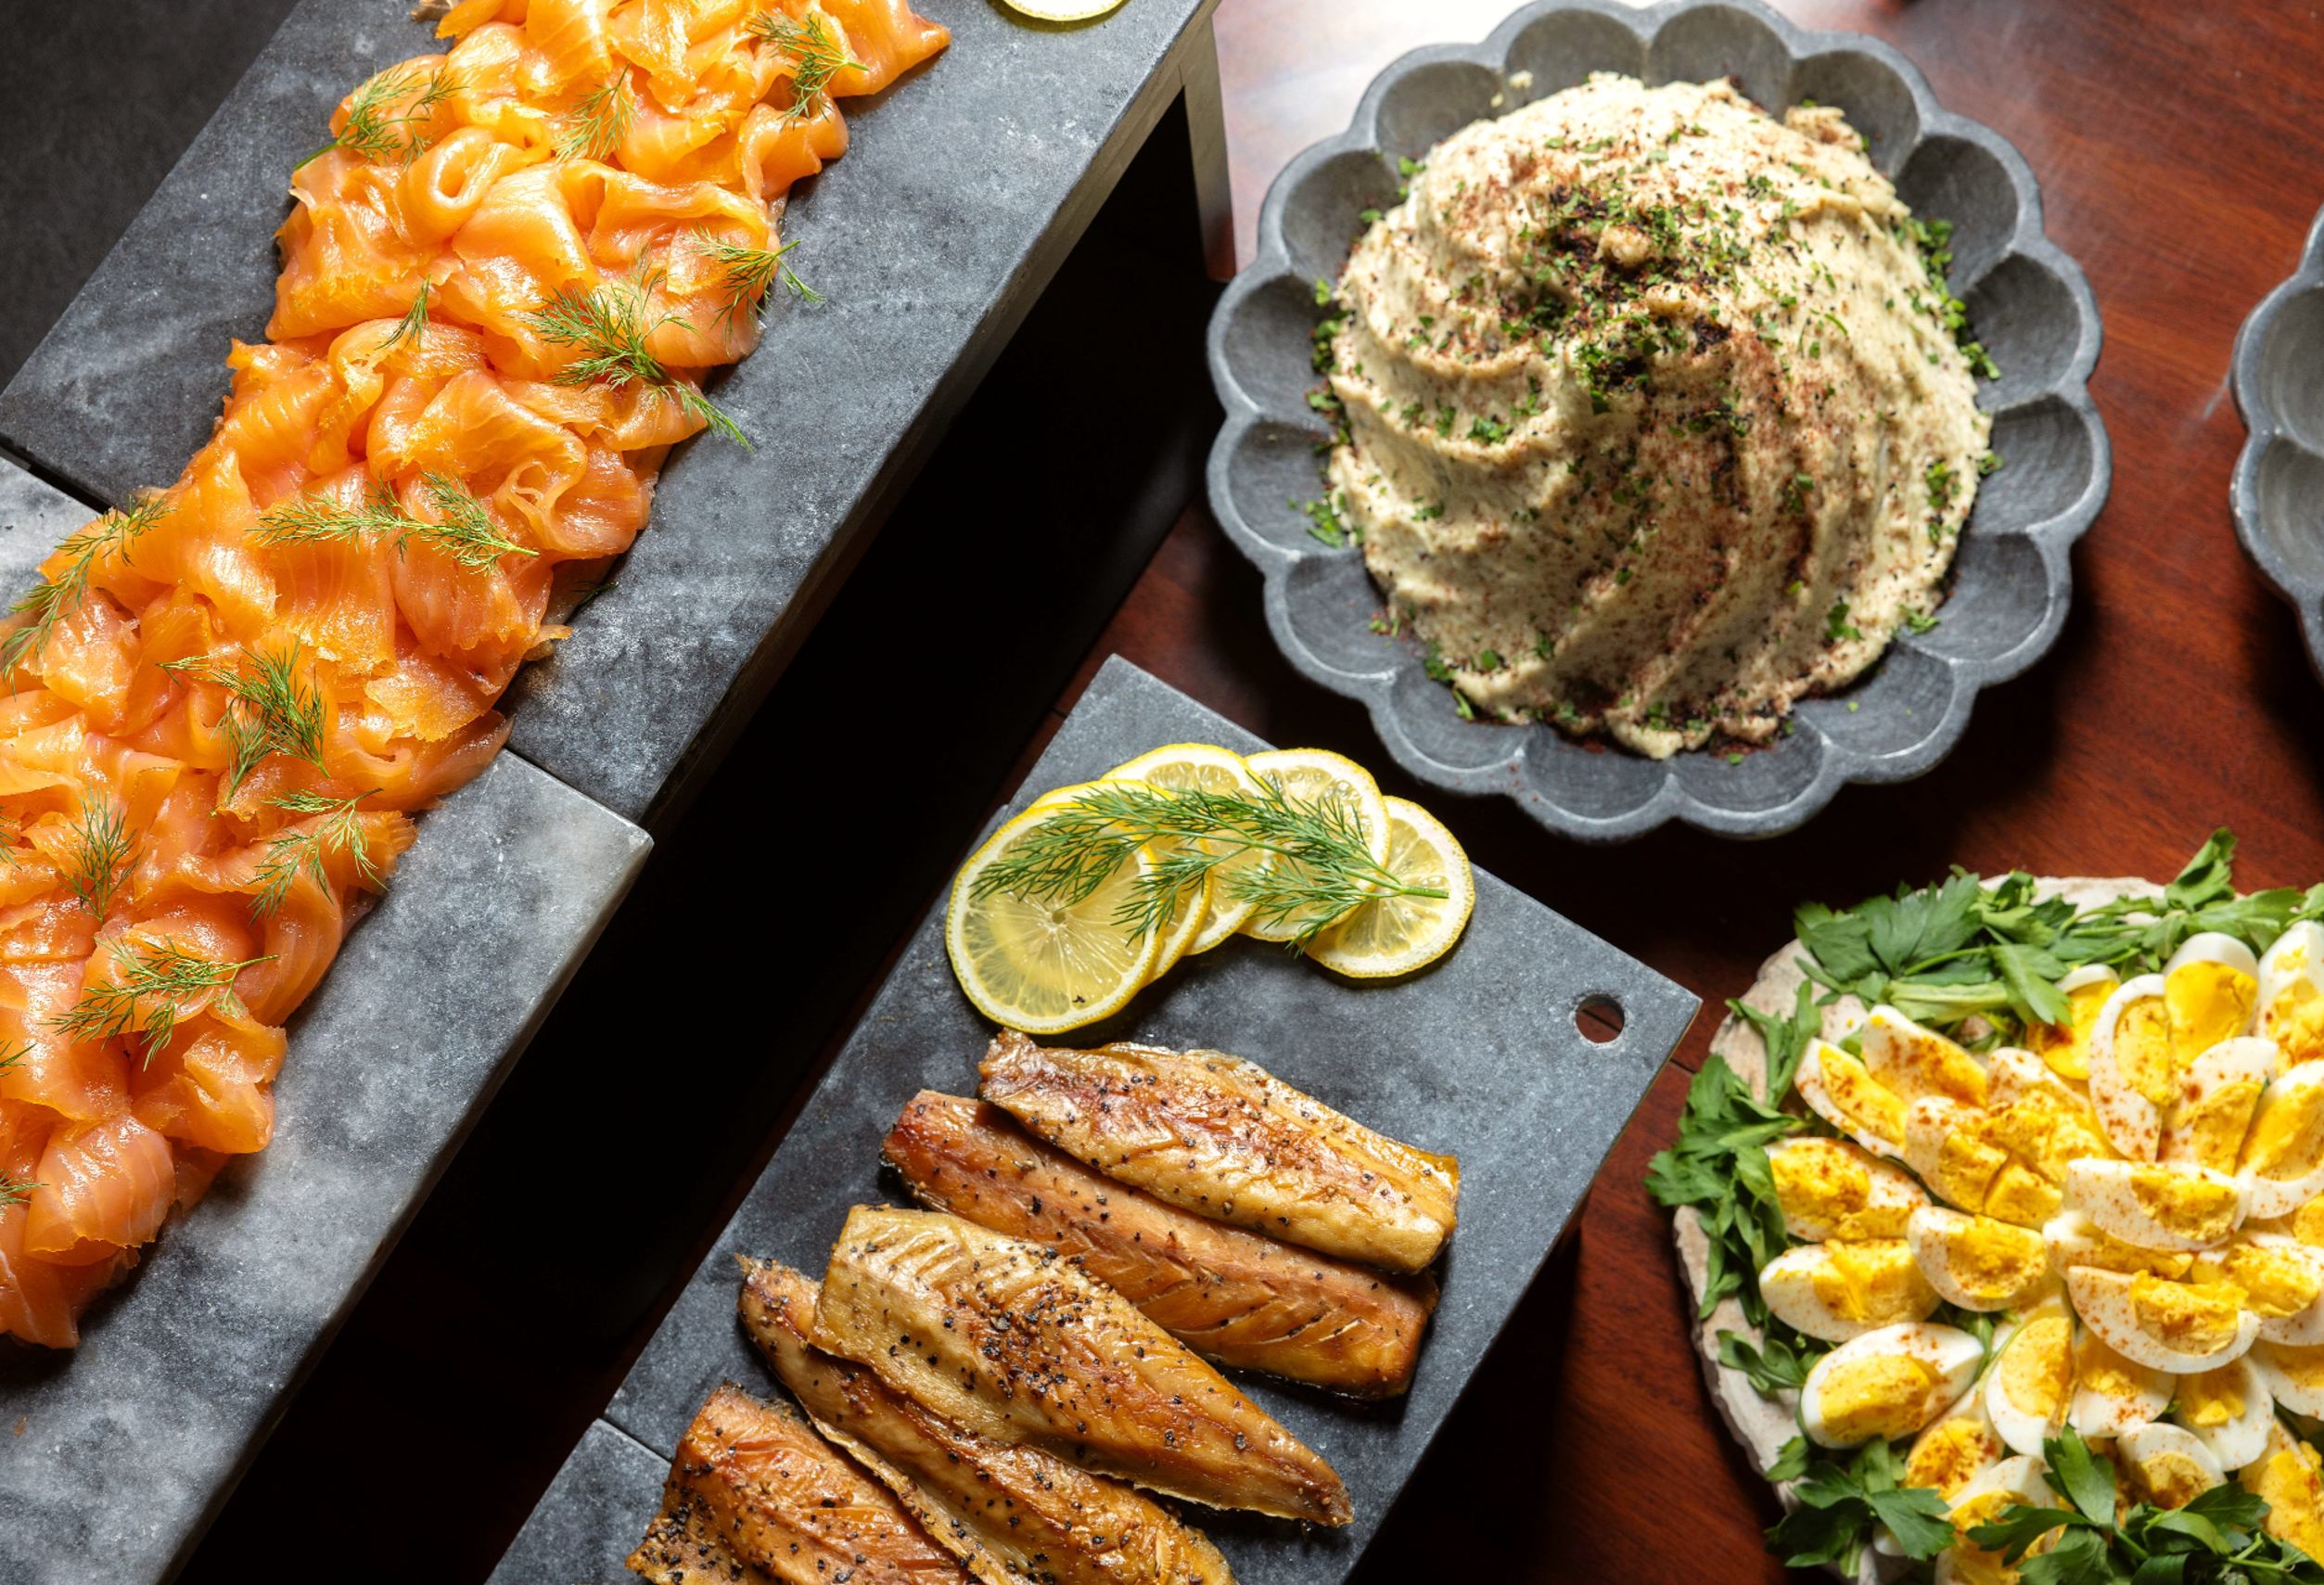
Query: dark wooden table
(2177, 149)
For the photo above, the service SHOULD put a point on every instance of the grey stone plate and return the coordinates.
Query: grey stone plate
(2278, 488)
(1480, 1055)
(952, 208)
(2028, 302)
(122, 1447)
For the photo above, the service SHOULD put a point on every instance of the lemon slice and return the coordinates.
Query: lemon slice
(1311, 775)
(1063, 10)
(1203, 767)
(1043, 966)
(1397, 935)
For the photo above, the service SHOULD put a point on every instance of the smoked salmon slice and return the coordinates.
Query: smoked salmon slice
(503, 281)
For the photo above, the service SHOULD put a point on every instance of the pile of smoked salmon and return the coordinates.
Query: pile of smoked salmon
(987, 1389)
(501, 284)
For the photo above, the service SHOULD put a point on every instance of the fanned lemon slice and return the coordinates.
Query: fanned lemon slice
(1203, 767)
(1044, 965)
(1311, 775)
(1063, 10)
(1397, 935)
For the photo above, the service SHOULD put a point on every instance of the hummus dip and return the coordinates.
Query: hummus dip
(1655, 416)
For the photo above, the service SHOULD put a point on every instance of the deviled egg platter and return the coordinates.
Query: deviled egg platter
(1976, 1245)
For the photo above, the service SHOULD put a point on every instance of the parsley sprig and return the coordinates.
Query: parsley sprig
(2217, 1539)
(1840, 1504)
(1720, 1167)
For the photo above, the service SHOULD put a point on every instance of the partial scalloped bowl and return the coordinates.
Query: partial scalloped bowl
(2279, 489)
(2028, 302)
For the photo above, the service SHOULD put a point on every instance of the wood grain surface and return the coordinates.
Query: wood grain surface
(2178, 148)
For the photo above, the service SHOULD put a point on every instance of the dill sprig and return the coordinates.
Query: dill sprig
(270, 709)
(13, 1193)
(15, 1056)
(412, 327)
(1328, 866)
(289, 851)
(596, 124)
(103, 852)
(50, 603)
(749, 273)
(375, 130)
(815, 56)
(154, 985)
(464, 530)
(608, 326)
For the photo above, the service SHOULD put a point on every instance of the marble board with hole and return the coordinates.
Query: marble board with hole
(929, 240)
(1483, 1055)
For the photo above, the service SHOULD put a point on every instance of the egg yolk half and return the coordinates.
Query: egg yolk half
(2208, 1002)
(2214, 1124)
(2169, 1478)
(1966, 1165)
(1875, 1280)
(2104, 1372)
(2304, 1365)
(1863, 1100)
(2287, 1137)
(2067, 1047)
(2275, 1282)
(2142, 1050)
(2198, 1208)
(2111, 1254)
(2289, 1482)
(2022, 1196)
(2188, 1317)
(1885, 1395)
(1951, 1453)
(2049, 1131)
(1994, 1261)
(2209, 1399)
(1819, 1184)
(1915, 1061)
(2294, 1020)
(2037, 1367)
(2307, 1222)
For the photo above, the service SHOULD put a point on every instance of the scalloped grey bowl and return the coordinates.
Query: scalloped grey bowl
(2279, 489)
(2028, 302)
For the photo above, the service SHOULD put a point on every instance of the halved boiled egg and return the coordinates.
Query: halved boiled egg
(1977, 1262)
(2073, 1239)
(2291, 1009)
(1890, 1383)
(2012, 1483)
(2282, 1281)
(2030, 1386)
(2286, 1475)
(1946, 1144)
(2157, 1205)
(2167, 1465)
(2066, 1048)
(2283, 1160)
(2306, 1224)
(1830, 1188)
(2217, 1096)
(2111, 1393)
(2133, 1075)
(2229, 1408)
(2179, 1327)
(2294, 1374)
(1913, 1061)
(1957, 1449)
(2210, 986)
(1842, 1291)
(1838, 1089)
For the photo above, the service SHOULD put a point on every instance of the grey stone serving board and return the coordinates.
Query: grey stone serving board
(1480, 1055)
(122, 1447)
(964, 187)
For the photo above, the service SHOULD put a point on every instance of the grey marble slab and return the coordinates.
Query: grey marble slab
(34, 517)
(125, 1447)
(964, 186)
(1480, 1055)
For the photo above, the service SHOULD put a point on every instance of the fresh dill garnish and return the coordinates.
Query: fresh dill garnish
(149, 992)
(290, 851)
(1325, 865)
(270, 709)
(102, 854)
(50, 603)
(375, 130)
(596, 124)
(751, 273)
(14, 1057)
(608, 326)
(412, 327)
(13, 1193)
(815, 56)
(464, 529)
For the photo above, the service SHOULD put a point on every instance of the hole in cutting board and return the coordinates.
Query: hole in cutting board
(1599, 1018)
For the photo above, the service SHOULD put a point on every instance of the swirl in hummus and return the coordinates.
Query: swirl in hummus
(1655, 414)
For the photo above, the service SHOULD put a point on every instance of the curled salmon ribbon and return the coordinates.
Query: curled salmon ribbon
(502, 284)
